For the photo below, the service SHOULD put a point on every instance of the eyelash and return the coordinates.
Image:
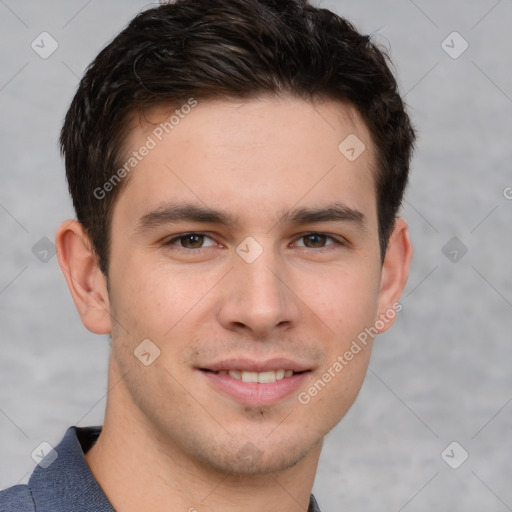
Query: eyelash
(171, 241)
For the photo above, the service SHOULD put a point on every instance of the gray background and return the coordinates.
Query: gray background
(442, 374)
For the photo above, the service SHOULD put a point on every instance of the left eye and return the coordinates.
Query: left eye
(190, 241)
(318, 240)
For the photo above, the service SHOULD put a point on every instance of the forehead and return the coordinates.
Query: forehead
(267, 119)
(261, 154)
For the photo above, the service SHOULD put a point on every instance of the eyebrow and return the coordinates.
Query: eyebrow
(188, 212)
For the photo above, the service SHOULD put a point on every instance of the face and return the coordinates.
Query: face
(245, 246)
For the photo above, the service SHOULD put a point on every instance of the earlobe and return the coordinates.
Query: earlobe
(395, 270)
(85, 280)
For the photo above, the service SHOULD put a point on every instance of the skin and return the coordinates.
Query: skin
(170, 439)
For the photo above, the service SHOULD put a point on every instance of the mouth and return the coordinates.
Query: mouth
(256, 384)
(265, 377)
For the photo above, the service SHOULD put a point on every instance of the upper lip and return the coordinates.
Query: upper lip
(251, 365)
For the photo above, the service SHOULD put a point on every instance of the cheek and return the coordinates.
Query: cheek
(349, 306)
(153, 297)
(328, 398)
(346, 301)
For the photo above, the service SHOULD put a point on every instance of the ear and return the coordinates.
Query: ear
(395, 270)
(86, 282)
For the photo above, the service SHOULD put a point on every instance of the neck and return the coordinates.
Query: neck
(139, 469)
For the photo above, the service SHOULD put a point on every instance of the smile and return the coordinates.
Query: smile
(257, 388)
(265, 377)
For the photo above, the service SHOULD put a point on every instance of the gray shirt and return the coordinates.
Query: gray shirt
(63, 481)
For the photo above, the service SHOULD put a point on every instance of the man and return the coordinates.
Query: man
(236, 167)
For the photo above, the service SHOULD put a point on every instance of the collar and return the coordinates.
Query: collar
(68, 483)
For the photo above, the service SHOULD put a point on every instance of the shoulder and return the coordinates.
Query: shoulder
(61, 481)
(16, 499)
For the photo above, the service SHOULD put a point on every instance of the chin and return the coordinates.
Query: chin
(255, 458)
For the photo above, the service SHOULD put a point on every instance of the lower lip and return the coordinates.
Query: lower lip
(254, 393)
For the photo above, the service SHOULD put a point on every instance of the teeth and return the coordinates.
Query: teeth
(250, 376)
(264, 377)
(235, 374)
(261, 377)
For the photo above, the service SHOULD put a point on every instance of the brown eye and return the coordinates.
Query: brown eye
(316, 240)
(190, 241)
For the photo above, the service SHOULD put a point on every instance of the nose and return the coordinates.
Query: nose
(258, 297)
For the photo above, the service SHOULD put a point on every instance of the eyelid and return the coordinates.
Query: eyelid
(171, 241)
(335, 238)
